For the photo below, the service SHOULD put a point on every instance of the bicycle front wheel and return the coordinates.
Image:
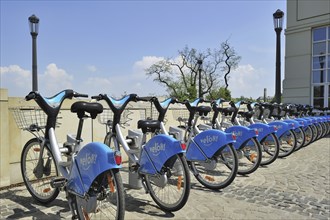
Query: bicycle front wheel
(106, 198)
(270, 148)
(288, 143)
(219, 171)
(249, 156)
(300, 137)
(38, 171)
(171, 189)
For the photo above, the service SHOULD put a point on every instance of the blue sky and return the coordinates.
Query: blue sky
(104, 46)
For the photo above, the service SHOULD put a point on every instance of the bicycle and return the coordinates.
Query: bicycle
(159, 162)
(208, 154)
(267, 138)
(285, 130)
(90, 174)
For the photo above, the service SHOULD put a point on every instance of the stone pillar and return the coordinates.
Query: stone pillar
(4, 139)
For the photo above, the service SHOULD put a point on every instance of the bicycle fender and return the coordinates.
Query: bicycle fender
(263, 130)
(92, 160)
(282, 127)
(242, 134)
(306, 121)
(297, 124)
(156, 152)
(206, 144)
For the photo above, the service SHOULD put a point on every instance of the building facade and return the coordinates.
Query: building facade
(307, 53)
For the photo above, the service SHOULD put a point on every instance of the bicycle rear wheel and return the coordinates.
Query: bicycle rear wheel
(37, 174)
(249, 156)
(270, 148)
(170, 190)
(106, 198)
(215, 173)
(288, 143)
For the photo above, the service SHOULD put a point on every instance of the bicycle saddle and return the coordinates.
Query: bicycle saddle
(227, 111)
(148, 125)
(247, 115)
(203, 110)
(81, 107)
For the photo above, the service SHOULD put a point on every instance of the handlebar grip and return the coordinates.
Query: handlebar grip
(145, 99)
(99, 97)
(76, 94)
(30, 96)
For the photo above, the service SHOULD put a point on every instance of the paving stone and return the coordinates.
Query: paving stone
(290, 188)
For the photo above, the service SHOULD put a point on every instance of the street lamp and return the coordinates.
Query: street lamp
(321, 61)
(34, 26)
(278, 24)
(200, 63)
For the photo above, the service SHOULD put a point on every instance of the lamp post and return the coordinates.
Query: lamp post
(34, 26)
(278, 24)
(321, 61)
(200, 63)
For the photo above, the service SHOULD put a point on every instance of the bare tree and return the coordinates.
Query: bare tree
(180, 75)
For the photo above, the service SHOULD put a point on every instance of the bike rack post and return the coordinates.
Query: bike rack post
(133, 177)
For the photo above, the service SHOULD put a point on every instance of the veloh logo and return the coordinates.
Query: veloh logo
(157, 148)
(88, 160)
(238, 133)
(260, 130)
(208, 140)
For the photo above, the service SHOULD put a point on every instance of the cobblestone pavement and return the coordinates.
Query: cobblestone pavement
(296, 187)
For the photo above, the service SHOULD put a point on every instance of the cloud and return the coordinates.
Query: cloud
(249, 81)
(92, 68)
(140, 66)
(55, 79)
(16, 79)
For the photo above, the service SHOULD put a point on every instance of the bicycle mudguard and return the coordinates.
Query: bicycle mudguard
(92, 160)
(306, 121)
(156, 152)
(296, 123)
(206, 144)
(242, 134)
(263, 130)
(282, 127)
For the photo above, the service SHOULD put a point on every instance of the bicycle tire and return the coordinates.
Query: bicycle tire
(249, 155)
(309, 135)
(270, 148)
(300, 138)
(176, 187)
(287, 144)
(315, 130)
(36, 181)
(212, 174)
(108, 192)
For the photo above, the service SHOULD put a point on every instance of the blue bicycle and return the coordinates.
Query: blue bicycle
(159, 162)
(88, 174)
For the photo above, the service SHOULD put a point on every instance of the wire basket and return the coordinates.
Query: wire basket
(106, 117)
(29, 118)
(149, 113)
(180, 114)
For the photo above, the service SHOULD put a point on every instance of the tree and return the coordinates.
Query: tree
(180, 75)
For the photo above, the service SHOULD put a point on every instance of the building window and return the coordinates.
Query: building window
(321, 67)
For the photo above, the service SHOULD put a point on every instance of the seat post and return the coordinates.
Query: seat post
(79, 131)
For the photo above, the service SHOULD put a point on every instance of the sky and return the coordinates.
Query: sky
(105, 46)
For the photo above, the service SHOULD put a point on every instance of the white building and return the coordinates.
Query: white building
(307, 53)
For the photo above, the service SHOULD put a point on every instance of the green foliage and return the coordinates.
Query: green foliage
(222, 92)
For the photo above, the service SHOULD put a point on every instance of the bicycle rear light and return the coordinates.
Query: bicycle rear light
(118, 159)
(233, 135)
(256, 131)
(183, 146)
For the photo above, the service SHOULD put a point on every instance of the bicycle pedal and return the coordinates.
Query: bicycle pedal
(58, 182)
